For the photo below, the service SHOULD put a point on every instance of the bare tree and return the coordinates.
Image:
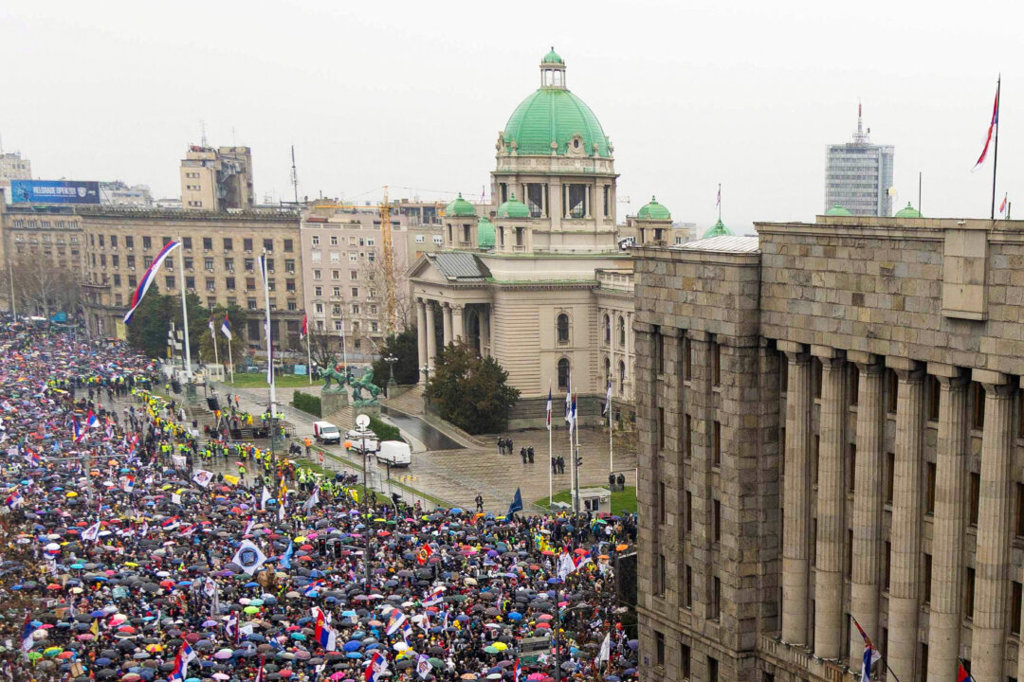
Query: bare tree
(44, 290)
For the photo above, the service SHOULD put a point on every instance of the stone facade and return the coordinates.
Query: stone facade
(830, 420)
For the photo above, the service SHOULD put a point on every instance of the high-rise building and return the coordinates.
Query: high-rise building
(13, 167)
(216, 179)
(858, 175)
(829, 439)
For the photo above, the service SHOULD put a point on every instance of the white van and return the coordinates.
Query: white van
(394, 452)
(326, 432)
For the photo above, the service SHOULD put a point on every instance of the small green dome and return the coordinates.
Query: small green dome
(838, 210)
(653, 211)
(908, 211)
(513, 208)
(460, 207)
(552, 58)
(718, 230)
(485, 234)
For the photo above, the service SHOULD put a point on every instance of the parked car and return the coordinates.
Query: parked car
(394, 452)
(326, 432)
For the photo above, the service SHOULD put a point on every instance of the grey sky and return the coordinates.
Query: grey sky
(413, 94)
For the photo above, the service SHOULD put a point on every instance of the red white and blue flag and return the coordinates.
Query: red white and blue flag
(549, 407)
(26, 634)
(185, 656)
(962, 675)
(395, 622)
(260, 674)
(991, 129)
(128, 483)
(1002, 206)
(304, 330)
(515, 671)
(871, 654)
(325, 636)
(32, 458)
(14, 499)
(377, 665)
(435, 597)
(225, 327)
(148, 277)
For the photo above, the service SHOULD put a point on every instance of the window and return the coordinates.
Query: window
(188, 262)
(1015, 597)
(289, 285)
(270, 264)
(250, 264)
(355, 292)
(852, 467)
(926, 577)
(716, 364)
(289, 265)
(211, 284)
(208, 263)
(563, 374)
(684, 661)
(712, 667)
(659, 585)
(315, 240)
(318, 291)
(716, 452)
(688, 588)
(336, 292)
(147, 242)
(659, 352)
(190, 282)
(1020, 508)
(975, 492)
(250, 284)
(687, 359)
(716, 520)
(317, 274)
(129, 242)
(252, 306)
(186, 243)
(689, 511)
(622, 332)
(113, 240)
(268, 245)
(886, 565)
(715, 607)
(562, 327)
(247, 244)
(229, 283)
(207, 243)
(288, 246)
(929, 489)
(969, 596)
(659, 648)
(169, 281)
(228, 246)
(334, 240)
(934, 389)
(853, 384)
(607, 330)
(117, 280)
(977, 405)
(352, 274)
(661, 428)
(890, 475)
(229, 264)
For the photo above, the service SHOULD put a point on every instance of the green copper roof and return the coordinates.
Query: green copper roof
(485, 234)
(653, 211)
(718, 230)
(553, 114)
(552, 58)
(837, 210)
(908, 211)
(460, 207)
(513, 208)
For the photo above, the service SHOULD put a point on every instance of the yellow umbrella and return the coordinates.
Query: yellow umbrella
(71, 493)
(300, 538)
(500, 646)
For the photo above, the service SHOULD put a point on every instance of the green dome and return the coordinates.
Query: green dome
(552, 114)
(460, 207)
(718, 230)
(552, 58)
(653, 211)
(838, 210)
(513, 208)
(485, 234)
(908, 211)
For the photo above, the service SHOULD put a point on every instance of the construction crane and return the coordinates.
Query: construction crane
(389, 264)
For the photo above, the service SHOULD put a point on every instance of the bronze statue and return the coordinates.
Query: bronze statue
(334, 373)
(364, 382)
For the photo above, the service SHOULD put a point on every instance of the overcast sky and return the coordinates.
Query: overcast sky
(412, 94)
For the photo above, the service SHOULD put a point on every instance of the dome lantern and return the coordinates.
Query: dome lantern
(552, 70)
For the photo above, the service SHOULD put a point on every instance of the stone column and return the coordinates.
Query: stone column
(828, 570)
(627, 389)
(992, 559)
(905, 555)
(421, 335)
(431, 335)
(485, 332)
(446, 321)
(796, 495)
(458, 322)
(867, 502)
(950, 524)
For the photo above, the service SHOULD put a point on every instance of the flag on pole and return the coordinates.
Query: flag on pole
(607, 400)
(270, 341)
(515, 671)
(260, 675)
(517, 503)
(961, 674)
(26, 634)
(186, 654)
(423, 556)
(249, 557)
(423, 667)
(147, 278)
(304, 330)
(435, 597)
(605, 652)
(549, 406)
(213, 327)
(286, 558)
(1002, 206)
(395, 622)
(871, 654)
(225, 327)
(991, 129)
(376, 667)
(718, 201)
(92, 532)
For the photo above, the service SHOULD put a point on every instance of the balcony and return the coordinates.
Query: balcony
(788, 657)
(519, 248)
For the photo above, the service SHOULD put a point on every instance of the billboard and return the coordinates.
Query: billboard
(54, 192)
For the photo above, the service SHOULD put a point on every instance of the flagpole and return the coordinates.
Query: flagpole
(213, 333)
(309, 361)
(231, 363)
(270, 354)
(551, 456)
(880, 656)
(184, 316)
(611, 444)
(995, 151)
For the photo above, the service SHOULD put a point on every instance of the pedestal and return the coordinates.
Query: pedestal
(332, 402)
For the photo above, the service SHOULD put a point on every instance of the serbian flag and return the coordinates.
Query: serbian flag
(185, 655)
(871, 654)
(991, 129)
(395, 622)
(128, 483)
(14, 499)
(76, 429)
(435, 597)
(260, 675)
(304, 331)
(423, 556)
(225, 327)
(325, 636)
(148, 277)
(1002, 206)
(26, 634)
(962, 675)
(515, 671)
(549, 406)
(377, 665)
(32, 458)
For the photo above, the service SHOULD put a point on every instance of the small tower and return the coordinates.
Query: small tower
(460, 224)
(552, 71)
(653, 222)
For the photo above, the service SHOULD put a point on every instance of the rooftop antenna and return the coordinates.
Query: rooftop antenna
(295, 177)
(860, 135)
(202, 132)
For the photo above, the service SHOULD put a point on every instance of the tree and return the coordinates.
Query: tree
(404, 347)
(471, 392)
(322, 347)
(147, 332)
(239, 348)
(41, 290)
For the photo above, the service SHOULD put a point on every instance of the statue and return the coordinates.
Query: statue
(339, 377)
(364, 382)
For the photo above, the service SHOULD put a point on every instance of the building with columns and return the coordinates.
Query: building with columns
(830, 426)
(537, 280)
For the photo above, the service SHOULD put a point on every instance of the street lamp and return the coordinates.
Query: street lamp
(363, 427)
(391, 360)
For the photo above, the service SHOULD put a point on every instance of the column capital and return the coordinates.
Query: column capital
(670, 332)
(901, 364)
(790, 346)
(826, 352)
(943, 370)
(697, 335)
(860, 357)
(988, 377)
(639, 327)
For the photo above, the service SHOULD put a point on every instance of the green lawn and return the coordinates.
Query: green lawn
(259, 380)
(623, 502)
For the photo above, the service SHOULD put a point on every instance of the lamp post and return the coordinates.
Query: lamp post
(362, 425)
(391, 360)
(425, 371)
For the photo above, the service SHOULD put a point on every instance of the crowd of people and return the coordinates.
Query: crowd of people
(126, 558)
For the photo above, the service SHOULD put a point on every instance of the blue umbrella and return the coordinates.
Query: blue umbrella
(353, 654)
(352, 645)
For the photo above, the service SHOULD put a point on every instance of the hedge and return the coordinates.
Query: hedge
(384, 431)
(306, 403)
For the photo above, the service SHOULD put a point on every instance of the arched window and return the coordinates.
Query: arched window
(563, 374)
(607, 329)
(622, 376)
(562, 323)
(622, 332)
